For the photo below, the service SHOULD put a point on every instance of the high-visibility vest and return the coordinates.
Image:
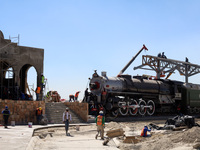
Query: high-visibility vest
(76, 95)
(38, 90)
(42, 79)
(142, 133)
(99, 120)
(6, 112)
(39, 112)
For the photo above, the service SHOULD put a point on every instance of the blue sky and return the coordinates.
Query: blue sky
(80, 36)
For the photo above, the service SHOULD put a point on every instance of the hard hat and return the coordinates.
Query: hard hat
(40, 108)
(67, 108)
(101, 112)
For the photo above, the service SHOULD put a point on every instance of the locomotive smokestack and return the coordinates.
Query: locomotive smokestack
(122, 71)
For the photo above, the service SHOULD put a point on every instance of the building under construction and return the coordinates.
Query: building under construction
(15, 62)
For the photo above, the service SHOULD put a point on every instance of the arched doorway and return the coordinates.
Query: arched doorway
(28, 81)
(32, 81)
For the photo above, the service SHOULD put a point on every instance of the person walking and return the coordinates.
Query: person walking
(66, 119)
(100, 122)
(6, 114)
(39, 114)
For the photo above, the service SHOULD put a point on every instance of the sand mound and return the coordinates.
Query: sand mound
(114, 125)
(189, 136)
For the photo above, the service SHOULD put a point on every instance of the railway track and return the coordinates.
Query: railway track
(161, 118)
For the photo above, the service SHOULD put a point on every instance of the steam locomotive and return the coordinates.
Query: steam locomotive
(127, 95)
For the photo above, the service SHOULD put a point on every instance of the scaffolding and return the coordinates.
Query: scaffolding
(163, 65)
(7, 83)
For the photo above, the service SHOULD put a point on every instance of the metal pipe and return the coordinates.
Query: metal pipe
(122, 71)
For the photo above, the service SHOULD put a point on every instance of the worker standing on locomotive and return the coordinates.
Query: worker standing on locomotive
(100, 122)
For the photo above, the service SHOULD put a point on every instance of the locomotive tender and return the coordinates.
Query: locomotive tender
(127, 95)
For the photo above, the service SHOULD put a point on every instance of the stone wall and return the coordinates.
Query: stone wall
(22, 112)
(81, 109)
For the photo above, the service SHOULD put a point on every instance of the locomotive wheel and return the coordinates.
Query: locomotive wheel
(133, 111)
(151, 110)
(123, 110)
(142, 110)
(115, 112)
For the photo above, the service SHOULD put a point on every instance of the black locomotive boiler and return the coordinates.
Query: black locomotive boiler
(129, 95)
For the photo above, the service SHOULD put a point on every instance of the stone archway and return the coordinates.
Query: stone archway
(20, 58)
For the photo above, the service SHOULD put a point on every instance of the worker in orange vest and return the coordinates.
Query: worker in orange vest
(37, 91)
(76, 95)
(39, 114)
(100, 122)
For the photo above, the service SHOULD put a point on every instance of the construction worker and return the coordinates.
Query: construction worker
(37, 91)
(144, 131)
(66, 119)
(100, 122)
(163, 55)
(42, 81)
(76, 95)
(39, 114)
(71, 97)
(86, 95)
(6, 114)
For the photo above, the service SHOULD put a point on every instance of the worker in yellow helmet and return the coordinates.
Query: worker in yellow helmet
(39, 114)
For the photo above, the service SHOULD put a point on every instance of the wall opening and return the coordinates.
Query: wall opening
(9, 73)
(32, 81)
(28, 82)
(7, 83)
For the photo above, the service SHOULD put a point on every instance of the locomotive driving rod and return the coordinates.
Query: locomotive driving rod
(122, 71)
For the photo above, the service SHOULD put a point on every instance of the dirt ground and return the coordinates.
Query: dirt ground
(184, 139)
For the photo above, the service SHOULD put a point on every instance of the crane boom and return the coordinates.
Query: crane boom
(127, 65)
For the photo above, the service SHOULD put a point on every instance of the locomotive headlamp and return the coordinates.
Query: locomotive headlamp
(94, 86)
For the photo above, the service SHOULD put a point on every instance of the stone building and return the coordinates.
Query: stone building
(16, 61)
